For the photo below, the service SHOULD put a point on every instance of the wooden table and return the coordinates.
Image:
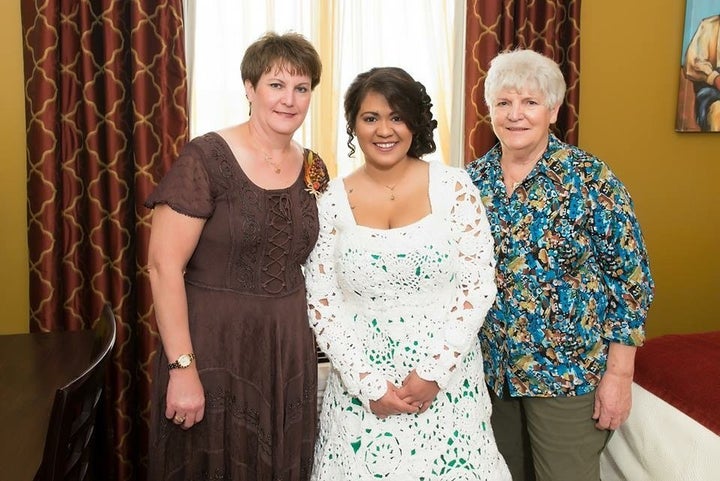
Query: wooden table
(32, 367)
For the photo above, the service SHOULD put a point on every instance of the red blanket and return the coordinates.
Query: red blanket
(684, 371)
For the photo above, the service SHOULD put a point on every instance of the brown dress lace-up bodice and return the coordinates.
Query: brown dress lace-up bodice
(248, 324)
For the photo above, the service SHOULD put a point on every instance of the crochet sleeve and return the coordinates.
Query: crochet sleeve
(474, 281)
(327, 314)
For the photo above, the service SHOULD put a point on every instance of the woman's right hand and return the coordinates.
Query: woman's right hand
(391, 404)
(185, 405)
(173, 238)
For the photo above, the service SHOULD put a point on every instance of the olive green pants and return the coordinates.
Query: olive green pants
(548, 439)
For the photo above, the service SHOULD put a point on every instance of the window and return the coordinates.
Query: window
(420, 36)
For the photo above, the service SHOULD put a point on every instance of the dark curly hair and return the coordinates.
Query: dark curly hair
(405, 95)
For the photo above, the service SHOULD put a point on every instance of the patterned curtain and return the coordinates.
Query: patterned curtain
(551, 27)
(106, 110)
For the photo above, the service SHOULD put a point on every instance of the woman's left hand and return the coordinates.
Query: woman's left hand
(613, 397)
(418, 392)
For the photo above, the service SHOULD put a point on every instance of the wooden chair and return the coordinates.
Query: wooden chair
(68, 443)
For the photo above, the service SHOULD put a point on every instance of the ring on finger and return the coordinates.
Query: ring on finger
(178, 419)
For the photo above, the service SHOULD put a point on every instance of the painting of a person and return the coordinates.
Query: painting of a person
(702, 67)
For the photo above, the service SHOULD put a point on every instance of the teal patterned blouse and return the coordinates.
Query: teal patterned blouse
(572, 273)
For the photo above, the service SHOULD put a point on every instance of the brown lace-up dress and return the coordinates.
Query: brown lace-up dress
(248, 323)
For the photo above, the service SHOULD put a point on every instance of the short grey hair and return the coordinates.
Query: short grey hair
(525, 70)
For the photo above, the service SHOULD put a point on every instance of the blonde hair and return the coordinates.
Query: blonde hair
(525, 70)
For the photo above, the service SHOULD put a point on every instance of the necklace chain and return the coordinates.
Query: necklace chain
(391, 188)
(266, 157)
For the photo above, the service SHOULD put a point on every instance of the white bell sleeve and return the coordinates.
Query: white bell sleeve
(326, 307)
(474, 279)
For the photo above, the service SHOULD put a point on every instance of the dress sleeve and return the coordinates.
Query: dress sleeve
(328, 317)
(620, 251)
(186, 187)
(474, 282)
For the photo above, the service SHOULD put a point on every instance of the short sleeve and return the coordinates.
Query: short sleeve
(186, 186)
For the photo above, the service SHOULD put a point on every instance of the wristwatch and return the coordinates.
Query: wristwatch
(182, 362)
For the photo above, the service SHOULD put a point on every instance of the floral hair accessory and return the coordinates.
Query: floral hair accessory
(315, 175)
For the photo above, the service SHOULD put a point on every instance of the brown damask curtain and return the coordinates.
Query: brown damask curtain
(106, 110)
(551, 27)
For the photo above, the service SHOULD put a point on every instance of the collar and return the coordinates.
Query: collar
(555, 161)
(554, 164)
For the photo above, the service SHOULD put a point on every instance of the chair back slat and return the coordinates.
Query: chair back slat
(72, 420)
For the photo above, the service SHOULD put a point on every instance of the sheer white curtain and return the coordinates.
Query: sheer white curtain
(217, 34)
(352, 36)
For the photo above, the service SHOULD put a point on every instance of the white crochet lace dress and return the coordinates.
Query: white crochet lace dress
(386, 302)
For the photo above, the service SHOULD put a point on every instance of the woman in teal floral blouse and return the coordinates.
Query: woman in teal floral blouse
(574, 285)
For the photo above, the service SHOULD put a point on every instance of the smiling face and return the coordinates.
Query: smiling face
(280, 100)
(381, 132)
(521, 121)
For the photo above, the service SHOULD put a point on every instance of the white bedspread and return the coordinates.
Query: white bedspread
(661, 443)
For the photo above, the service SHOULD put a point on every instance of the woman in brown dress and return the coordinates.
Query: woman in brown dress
(234, 392)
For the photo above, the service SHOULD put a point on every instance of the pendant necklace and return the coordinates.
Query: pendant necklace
(391, 188)
(276, 167)
(266, 157)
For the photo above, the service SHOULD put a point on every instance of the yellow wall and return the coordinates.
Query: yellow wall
(629, 69)
(13, 237)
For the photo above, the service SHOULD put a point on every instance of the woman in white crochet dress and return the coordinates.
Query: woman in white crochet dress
(398, 286)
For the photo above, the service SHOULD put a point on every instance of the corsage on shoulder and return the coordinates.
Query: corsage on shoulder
(316, 174)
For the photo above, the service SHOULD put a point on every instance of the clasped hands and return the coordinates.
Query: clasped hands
(413, 397)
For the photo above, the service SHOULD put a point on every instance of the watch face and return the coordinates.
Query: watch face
(184, 360)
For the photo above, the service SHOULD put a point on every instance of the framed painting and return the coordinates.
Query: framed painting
(698, 105)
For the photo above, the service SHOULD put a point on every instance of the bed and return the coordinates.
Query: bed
(673, 432)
